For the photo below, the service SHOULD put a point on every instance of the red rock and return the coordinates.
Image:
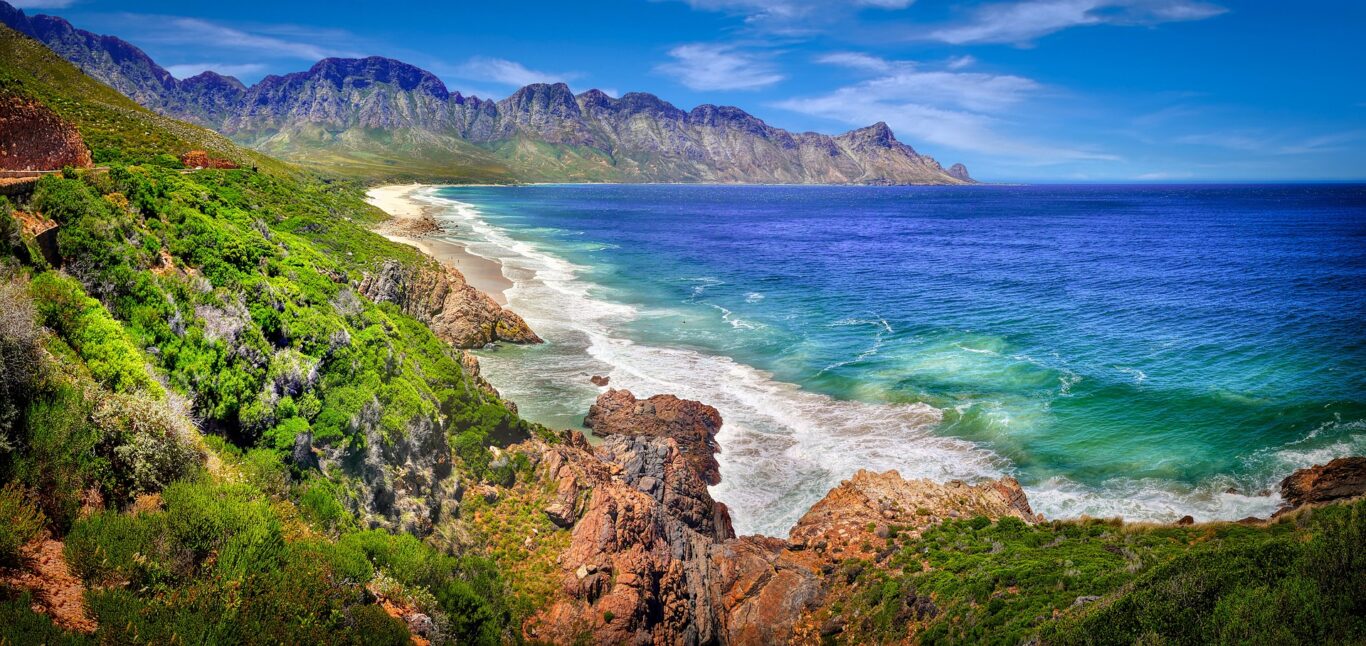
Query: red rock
(33, 137)
(690, 423)
(201, 159)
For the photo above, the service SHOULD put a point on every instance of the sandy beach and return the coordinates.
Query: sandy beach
(413, 223)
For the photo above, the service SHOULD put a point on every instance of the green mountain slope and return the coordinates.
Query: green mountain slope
(173, 377)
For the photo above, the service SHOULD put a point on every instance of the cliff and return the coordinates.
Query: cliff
(359, 114)
(32, 137)
(439, 296)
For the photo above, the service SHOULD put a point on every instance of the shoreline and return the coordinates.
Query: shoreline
(413, 223)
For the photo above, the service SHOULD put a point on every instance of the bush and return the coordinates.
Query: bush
(19, 354)
(20, 522)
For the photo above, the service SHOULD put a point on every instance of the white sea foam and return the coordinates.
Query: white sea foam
(783, 447)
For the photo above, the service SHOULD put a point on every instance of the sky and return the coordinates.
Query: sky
(1018, 90)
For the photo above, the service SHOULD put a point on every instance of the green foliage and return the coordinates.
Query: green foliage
(20, 522)
(1295, 581)
(19, 349)
(98, 338)
(19, 624)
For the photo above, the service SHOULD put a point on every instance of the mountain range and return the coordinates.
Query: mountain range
(379, 117)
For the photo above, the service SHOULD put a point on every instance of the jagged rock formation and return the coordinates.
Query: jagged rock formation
(32, 137)
(1339, 479)
(653, 558)
(541, 132)
(439, 296)
(693, 425)
(960, 171)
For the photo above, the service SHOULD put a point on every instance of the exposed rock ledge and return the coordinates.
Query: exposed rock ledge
(439, 296)
(1342, 478)
(653, 559)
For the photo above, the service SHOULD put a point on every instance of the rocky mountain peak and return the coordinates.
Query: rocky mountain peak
(377, 69)
(959, 171)
(212, 79)
(878, 134)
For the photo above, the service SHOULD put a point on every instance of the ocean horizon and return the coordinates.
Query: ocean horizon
(1145, 351)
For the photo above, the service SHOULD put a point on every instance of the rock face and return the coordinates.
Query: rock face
(439, 296)
(693, 425)
(959, 171)
(1341, 478)
(853, 514)
(542, 132)
(653, 559)
(32, 137)
(201, 159)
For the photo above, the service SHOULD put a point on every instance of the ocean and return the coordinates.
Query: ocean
(1143, 351)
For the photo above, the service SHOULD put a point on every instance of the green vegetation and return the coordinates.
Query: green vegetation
(155, 384)
(1300, 580)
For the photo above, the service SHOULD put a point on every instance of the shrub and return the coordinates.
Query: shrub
(20, 522)
(152, 446)
(19, 354)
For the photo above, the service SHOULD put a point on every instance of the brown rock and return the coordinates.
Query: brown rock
(33, 137)
(1341, 478)
(599, 380)
(201, 159)
(1186, 520)
(439, 296)
(690, 423)
(841, 521)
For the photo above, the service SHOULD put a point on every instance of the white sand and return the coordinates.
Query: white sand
(412, 224)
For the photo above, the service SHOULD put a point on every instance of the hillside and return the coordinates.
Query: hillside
(378, 117)
(230, 413)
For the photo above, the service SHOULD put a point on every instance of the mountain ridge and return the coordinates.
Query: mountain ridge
(377, 116)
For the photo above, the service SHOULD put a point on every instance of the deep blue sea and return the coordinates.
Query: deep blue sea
(1148, 351)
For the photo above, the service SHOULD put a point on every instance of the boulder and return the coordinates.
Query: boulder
(1341, 478)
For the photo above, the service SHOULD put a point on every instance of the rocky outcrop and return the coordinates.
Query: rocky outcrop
(693, 425)
(859, 512)
(959, 171)
(457, 312)
(541, 132)
(653, 559)
(32, 137)
(1339, 479)
(201, 159)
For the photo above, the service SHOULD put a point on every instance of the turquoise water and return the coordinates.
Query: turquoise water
(1144, 351)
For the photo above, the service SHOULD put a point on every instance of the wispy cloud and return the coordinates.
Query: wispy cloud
(1262, 143)
(962, 110)
(720, 66)
(42, 4)
(1023, 21)
(186, 70)
(795, 16)
(506, 72)
(261, 41)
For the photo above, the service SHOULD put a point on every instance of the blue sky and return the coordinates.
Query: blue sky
(1029, 90)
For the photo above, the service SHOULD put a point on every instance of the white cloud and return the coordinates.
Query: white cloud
(42, 4)
(269, 41)
(795, 16)
(186, 70)
(1023, 21)
(716, 66)
(959, 62)
(1333, 142)
(962, 110)
(506, 72)
(855, 60)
